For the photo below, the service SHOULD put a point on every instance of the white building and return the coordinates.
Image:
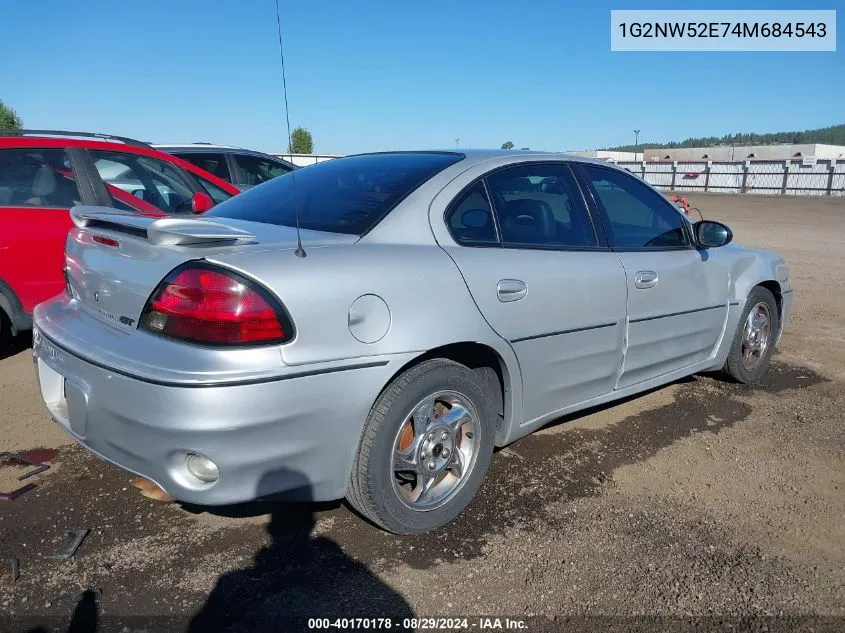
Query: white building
(603, 154)
(784, 151)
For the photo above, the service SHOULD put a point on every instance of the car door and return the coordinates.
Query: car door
(677, 298)
(37, 188)
(535, 266)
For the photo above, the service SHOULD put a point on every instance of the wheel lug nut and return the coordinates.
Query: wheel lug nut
(431, 465)
(422, 455)
(444, 435)
(431, 436)
(445, 452)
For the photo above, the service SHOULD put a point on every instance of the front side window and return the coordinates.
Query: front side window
(540, 205)
(636, 216)
(345, 195)
(37, 178)
(154, 181)
(253, 170)
(212, 162)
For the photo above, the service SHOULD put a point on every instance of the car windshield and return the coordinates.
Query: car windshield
(345, 195)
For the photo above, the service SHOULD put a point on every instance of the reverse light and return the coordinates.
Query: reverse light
(202, 467)
(206, 304)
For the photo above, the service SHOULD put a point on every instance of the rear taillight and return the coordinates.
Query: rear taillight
(106, 241)
(206, 304)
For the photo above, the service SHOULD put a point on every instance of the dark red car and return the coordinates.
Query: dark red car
(44, 173)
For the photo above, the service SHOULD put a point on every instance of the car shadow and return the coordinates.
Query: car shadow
(582, 413)
(85, 618)
(271, 503)
(298, 575)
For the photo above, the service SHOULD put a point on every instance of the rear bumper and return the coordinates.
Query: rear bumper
(294, 435)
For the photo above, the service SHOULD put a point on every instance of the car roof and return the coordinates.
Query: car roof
(474, 156)
(202, 147)
(197, 145)
(68, 141)
(169, 147)
(95, 142)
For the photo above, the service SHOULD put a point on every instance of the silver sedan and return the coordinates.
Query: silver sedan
(428, 307)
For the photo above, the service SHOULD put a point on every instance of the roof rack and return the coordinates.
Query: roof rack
(108, 137)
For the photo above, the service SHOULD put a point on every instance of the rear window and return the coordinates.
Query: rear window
(345, 195)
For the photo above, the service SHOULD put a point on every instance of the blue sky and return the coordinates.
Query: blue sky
(379, 75)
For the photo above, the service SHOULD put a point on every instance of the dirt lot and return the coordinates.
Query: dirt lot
(699, 500)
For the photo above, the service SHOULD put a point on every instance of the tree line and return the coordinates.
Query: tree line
(833, 135)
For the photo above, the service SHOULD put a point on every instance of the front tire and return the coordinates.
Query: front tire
(754, 340)
(425, 449)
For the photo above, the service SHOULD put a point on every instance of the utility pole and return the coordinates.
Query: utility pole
(457, 141)
(636, 144)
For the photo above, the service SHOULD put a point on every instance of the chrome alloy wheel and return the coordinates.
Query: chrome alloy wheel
(434, 450)
(756, 335)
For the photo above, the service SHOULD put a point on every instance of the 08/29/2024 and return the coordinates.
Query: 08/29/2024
(418, 624)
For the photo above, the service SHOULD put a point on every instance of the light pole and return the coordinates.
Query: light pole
(636, 143)
(457, 140)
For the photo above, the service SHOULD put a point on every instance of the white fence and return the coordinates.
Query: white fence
(306, 159)
(798, 177)
(795, 177)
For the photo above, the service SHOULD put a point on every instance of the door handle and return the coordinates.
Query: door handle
(645, 279)
(511, 290)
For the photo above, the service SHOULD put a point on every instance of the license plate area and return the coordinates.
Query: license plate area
(66, 400)
(53, 391)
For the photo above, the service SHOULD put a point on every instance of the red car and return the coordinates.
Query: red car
(44, 173)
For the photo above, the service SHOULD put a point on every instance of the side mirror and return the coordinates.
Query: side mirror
(201, 202)
(710, 234)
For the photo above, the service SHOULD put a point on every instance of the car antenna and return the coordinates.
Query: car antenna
(299, 252)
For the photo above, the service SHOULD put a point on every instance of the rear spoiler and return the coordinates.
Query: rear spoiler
(159, 231)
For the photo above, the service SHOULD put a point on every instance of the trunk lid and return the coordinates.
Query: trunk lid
(114, 260)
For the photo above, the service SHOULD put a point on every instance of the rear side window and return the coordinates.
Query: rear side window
(540, 205)
(345, 195)
(213, 163)
(253, 170)
(470, 218)
(151, 180)
(37, 178)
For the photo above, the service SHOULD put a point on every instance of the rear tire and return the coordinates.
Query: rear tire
(430, 433)
(754, 341)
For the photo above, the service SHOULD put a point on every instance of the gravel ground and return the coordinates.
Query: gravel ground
(699, 504)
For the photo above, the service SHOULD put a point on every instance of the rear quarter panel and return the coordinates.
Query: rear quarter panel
(427, 300)
(429, 305)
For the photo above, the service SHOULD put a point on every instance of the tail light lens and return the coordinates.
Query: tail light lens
(211, 305)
